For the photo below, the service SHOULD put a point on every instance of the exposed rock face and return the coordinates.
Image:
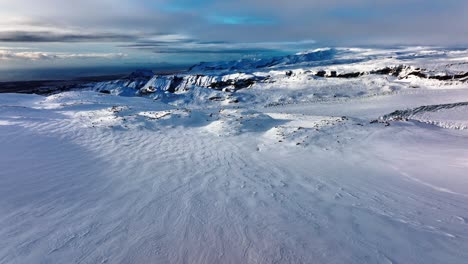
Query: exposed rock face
(460, 77)
(400, 71)
(321, 73)
(405, 114)
(134, 81)
(237, 84)
(452, 116)
(146, 83)
(349, 75)
(176, 84)
(422, 73)
(232, 76)
(394, 71)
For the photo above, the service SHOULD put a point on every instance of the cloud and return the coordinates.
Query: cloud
(240, 20)
(189, 46)
(48, 36)
(36, 56)
(178, 27)
(15, 48)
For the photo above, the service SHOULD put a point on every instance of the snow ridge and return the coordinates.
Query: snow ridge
(453, 116)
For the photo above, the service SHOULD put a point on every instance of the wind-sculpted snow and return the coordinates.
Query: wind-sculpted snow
(288, 169)
(89, 178)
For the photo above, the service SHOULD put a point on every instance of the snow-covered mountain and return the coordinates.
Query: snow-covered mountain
(304, 58)
(311, 71)
(340, 155)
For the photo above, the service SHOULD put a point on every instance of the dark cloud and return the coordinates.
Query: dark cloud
(47, 36)
(197, 48)
(339, 21)
(212, 51)
(191, 46)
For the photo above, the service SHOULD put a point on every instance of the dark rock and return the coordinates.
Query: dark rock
(321, 73)
(240, 84)
(176, 81)
(216, 98)
(394, 71)
(237, 84)
(418, 74)
(442, 77)
(461, 76)
(350, 75)
(220, 85)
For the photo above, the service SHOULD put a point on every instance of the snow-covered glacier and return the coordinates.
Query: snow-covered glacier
(334, 155)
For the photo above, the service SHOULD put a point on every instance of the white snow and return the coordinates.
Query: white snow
(291, 173)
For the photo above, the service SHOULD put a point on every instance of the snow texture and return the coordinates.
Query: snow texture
(290, 169)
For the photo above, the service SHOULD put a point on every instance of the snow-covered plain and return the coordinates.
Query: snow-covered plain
(299, 168)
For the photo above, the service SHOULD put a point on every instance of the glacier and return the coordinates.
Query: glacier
(334, 155)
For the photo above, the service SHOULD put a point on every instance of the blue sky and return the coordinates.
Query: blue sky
(57, 33)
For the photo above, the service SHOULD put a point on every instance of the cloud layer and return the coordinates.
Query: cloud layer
(6, 55)
(182, 28)
(241, 20)
(53, 36)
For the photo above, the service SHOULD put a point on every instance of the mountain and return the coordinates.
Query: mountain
(254, 64)
(323, 68)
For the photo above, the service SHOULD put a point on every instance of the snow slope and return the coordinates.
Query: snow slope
(267, 174)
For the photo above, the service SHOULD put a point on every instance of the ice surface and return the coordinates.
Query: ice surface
(293, 171)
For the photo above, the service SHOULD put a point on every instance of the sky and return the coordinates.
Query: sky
(114, 33)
